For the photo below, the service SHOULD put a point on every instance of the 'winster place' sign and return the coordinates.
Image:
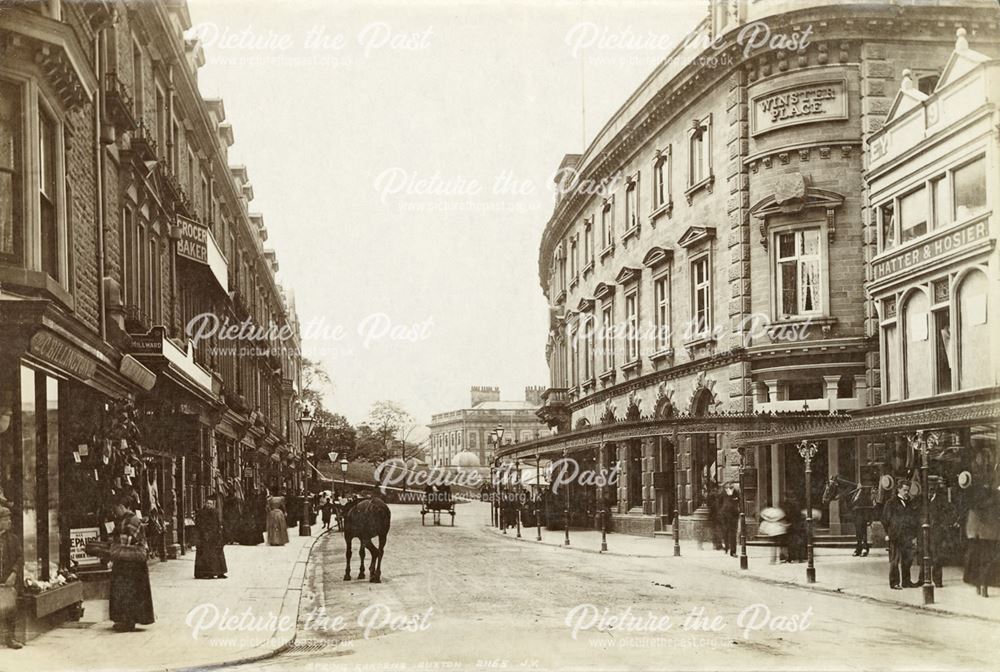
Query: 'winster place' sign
(798, 104)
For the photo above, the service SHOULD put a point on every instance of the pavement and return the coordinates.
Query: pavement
(267, 579)
(837, 570)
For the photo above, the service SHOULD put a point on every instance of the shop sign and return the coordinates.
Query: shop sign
(79, 537)
(137, 373)
(798, 104)
(150, 343)
(943, 244)
(63, 355)
(193, 241)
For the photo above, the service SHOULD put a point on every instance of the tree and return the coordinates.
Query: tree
(332, 432)
(387, 419)
(368, 446)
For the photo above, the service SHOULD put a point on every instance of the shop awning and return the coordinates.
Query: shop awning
(942, 412)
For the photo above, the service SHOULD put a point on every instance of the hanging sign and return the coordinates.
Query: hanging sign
(193, 241)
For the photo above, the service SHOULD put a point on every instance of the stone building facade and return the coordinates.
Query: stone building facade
(705, 264)
(122, 222)
(469, 429)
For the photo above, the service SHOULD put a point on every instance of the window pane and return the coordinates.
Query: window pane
(888, 214)
(913, 214)
(970, 189)
(942, 210)
(810, 242)
(942, 338)
(786, 245)
(789, 295)
(810, 286)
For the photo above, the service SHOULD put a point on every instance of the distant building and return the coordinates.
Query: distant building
(468, 429)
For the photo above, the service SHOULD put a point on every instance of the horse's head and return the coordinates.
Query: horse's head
(832, 490)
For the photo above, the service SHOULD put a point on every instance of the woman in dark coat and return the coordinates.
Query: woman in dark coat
(131, 597)
(982, 527)
(210, 558)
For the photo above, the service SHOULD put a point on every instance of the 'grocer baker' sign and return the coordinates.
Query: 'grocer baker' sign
(799, 104)
(193, 241)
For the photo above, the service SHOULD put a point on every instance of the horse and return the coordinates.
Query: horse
(859, 501)
(365, 519)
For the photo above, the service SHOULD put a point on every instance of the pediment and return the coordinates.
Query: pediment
(905, 100)
(628, 274)
(657, 256)
(962, 60)
(603, 290)
(585, 305)
(695, 235)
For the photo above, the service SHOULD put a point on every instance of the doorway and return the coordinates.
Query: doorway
(794, 479)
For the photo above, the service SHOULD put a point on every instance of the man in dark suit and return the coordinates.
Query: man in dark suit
(944, 524)
(900, 519)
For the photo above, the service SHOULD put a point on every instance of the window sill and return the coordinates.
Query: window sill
(574, 282)
(662, 354)
(589, 268)
(16, 276)
(561, 298)
(633, 366)
(630, 233)
(607, 251)
(665, 210)
(699, 341)
(707, 184)
(607, 375)
(779, 327)
(589, 384)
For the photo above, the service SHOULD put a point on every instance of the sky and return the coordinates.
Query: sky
(402, 154)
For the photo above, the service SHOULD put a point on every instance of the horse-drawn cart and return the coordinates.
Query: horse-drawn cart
(437, 500)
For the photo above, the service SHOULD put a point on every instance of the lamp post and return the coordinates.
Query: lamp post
(566, 509)
(493, 489)
(538, 513)
(744, 563)
(306, 423)
(922, 441)
(497, 436)
(677, 496)
(517, 495)
(807, 449)
(343, 475)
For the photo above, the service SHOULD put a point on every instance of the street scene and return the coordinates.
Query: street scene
(470, 335)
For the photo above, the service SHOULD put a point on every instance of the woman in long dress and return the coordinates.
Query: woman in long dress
(131, 597)
(277, 526)
(210, 557)
(982, 527)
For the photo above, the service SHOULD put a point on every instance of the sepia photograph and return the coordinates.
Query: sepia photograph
(482, 335)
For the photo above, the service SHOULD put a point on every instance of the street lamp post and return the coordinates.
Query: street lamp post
(343, 474)
(497, 435)
(677, 497)
(744, 563)
(566, 508)
(493, 490)
(923, 442)
(517, 495)
(306, 423)
(538, 513)
(604, 505)
(807, 449)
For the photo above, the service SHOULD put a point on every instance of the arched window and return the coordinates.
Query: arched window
(975, 365)
(918, 354)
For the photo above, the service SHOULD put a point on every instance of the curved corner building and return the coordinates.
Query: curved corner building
(709, 306)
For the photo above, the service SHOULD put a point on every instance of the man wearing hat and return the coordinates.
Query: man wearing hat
(944, 520)
(900, 520)
(10, 565)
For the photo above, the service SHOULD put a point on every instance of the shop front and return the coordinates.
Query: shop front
(67, 449)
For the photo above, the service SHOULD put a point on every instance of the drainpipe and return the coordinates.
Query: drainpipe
(99, 179)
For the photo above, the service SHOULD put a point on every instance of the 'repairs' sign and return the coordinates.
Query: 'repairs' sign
(798, 104)
(193, 240)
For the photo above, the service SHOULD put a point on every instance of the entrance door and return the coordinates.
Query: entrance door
(634, 475)
(795, 479)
